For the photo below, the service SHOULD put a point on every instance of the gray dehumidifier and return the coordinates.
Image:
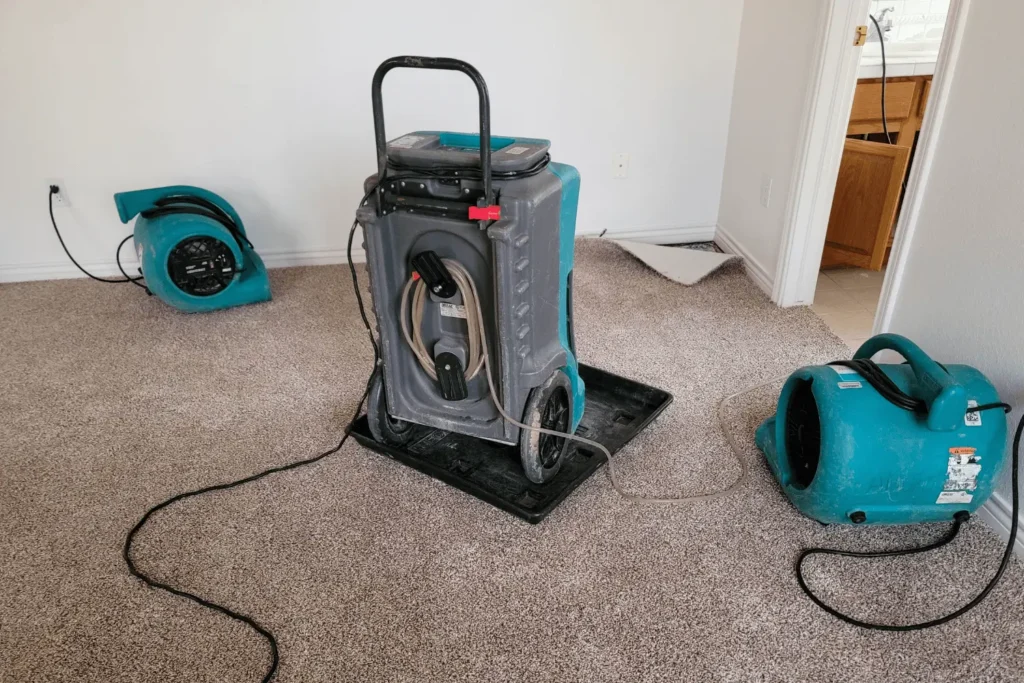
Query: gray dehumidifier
(469, 241)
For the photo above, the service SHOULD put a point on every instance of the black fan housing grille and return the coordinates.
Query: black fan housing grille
(201, 266)
(803, 435)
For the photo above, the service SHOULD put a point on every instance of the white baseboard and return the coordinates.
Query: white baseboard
(63, 270)
(316, 257)
(60, 270)
(687, 235)
(996, 513)
(757, 272)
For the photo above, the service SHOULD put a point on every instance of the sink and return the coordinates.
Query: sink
(909, 50)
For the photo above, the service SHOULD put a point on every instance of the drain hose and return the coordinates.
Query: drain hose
(418, 289)
(478, 358)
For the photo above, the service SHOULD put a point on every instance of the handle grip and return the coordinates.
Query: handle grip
(130, 204)
(444, 64)
(946, 399)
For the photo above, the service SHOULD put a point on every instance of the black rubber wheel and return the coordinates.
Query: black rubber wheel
(549, 406)
(384, 428)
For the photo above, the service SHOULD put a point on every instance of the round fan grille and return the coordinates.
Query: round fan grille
(201, 266)
(803, 435)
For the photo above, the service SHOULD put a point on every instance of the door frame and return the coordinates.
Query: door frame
(827, 111)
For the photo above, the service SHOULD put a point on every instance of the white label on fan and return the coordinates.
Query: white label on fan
(406, 141)
(453, 310)
(973, 419)
(954, 497)
(963, 469)
(848, 379)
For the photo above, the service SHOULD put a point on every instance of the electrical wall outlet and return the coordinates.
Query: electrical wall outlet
(60, 198)
(620, 165)
(766, 190)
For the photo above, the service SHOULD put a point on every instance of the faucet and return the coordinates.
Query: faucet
(884, 23)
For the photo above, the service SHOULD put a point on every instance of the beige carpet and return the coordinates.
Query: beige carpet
(369, 571)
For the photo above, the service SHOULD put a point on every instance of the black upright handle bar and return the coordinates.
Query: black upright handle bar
(446, 64)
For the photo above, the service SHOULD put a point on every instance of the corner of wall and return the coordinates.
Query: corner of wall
(755, 269)
(996, 513)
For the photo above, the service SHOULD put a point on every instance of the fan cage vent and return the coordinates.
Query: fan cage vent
(201, 266)
(803, 435)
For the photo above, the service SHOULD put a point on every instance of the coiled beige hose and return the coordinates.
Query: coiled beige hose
(478, 345)
(470, 302)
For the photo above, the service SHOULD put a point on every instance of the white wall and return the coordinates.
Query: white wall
(961, 294)
(773, 73)
(269, 104)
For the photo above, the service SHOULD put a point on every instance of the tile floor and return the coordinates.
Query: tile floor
(846, 299)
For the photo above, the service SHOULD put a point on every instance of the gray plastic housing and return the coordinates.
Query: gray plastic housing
(431, 149)
(515, 265)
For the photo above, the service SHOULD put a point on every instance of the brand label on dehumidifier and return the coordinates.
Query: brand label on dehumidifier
(453, 310)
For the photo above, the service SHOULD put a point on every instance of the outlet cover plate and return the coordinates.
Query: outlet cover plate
(620, 165)
(60, 199)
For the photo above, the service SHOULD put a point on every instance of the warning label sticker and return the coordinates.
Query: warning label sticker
(962, 472)
(453, 310)
(517, 150)
(954, 497)
(972, 419)
(848, 379)
(406, 141)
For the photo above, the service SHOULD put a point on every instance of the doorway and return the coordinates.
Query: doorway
(894, 79)
(857, 199)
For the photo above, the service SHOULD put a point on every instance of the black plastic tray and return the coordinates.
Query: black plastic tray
(617, 410)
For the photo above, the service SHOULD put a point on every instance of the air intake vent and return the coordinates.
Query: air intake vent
(201, 266)
(803, 435)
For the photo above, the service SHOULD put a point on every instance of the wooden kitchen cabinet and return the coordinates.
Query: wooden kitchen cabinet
(872, 173)
(866, 113)
(864, 205)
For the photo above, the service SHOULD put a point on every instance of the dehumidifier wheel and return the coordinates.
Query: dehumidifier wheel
(384, 428)
(549, 406)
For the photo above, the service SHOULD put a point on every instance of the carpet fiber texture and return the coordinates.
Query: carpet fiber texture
(369, 571)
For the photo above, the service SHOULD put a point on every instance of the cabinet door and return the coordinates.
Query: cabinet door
(864, 205)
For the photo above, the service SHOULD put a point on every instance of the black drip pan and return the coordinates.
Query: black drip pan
(617, 410)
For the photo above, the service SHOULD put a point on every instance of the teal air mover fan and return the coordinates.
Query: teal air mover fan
(855, 442)
(192, 249)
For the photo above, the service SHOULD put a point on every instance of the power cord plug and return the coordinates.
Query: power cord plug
(54, 190)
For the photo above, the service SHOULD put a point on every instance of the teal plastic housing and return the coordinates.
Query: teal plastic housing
(570, 179)
(877, 463)
(156, 238)
(471, 141)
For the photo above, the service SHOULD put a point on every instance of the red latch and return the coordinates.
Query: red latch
(485, 213)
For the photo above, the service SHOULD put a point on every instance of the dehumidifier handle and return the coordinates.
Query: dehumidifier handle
(446, 64)
(946, 399)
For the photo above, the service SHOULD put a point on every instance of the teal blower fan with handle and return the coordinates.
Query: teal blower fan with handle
(859, 442)
(893, 443)
(192, 248)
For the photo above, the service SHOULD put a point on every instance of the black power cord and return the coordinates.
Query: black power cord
(262, 630)
(54, 189)
(881, 45)
(874, 376)
(135, 280)
(449, 172)
(197, 206)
